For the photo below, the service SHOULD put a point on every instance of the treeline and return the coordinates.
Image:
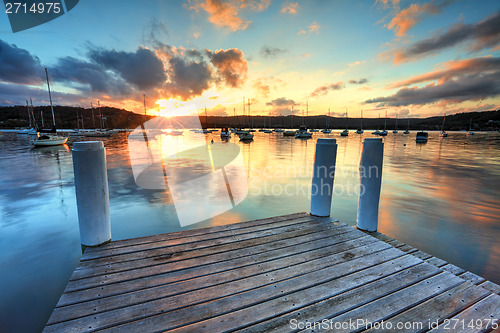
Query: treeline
(70, 117)
(75, 117)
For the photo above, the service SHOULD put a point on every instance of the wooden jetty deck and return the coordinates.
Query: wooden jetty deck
(277, 274)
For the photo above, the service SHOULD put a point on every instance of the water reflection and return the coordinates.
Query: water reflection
(441, 197)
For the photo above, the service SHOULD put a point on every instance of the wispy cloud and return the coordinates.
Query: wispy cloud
(360, 81)
(220, 13)
(481, 35)
(270, 52)
(312, 28)
(265, 84)
(255, 4)
(323, 90)
(290, 8)
(469, 87)
(356, 63)
(404, 19)
(282, 101)
(453, 69)
(226, 13)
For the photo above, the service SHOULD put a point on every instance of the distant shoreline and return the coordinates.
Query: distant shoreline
(66, 117)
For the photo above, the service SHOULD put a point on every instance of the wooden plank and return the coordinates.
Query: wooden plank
(200, 266)
(472, 278)
(421, 317)
(453, 269)
(422, 255)
(395, 303)
(380, 236)
(194, 232)
(406, 248)
(86, 269)
(335, 295)
(396, 243)
(436, 261)
(156, 292)
(479, 317)
(110, 278)
(493, 287)
(199, 240)
(172, 311)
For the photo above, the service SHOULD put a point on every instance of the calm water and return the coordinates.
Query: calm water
(442, 197)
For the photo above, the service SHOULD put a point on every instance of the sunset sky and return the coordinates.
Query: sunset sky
(410, 58)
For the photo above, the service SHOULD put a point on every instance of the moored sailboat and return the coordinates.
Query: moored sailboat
(443, 134)
(51, 139)
(360, 129)
(345, 132)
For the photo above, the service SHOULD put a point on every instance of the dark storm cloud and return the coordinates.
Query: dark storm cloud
(141, 68)
(16, 94)
(482, 35)
(72, 70)
(323, 90)
(18, 65)
(188, 78)
(270, 52)
(360, 81)
(468, 88)
(282, 101)
(231, 66)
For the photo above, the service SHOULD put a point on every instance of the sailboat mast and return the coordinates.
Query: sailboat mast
(307, 112)
(29, 114)
(361, 119)
(249, 111)
(145, 115)
(346, 118)
(244, 122)
(206, 118)
(385, 121)
(100, 114)
(50, 98)
(35, 125)
(93, 118)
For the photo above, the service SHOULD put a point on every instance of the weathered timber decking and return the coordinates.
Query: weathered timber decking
(262, 276)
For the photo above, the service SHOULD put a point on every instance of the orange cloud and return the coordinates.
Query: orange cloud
(290, 8)
(313, 27)
(452, 69)
(407, 18)
(224, 14)
(231, 66)
(356, 63)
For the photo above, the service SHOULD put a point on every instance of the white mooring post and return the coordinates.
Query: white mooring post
(323, 175)
(370, 172)
(92, 196)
